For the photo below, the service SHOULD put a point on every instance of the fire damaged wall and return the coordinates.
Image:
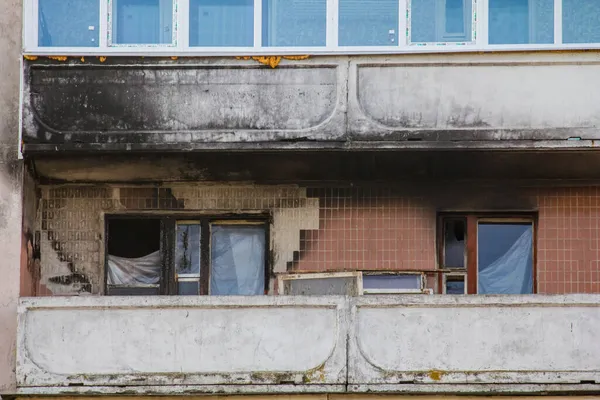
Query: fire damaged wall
(140, 104)
(71, 223)
(326, 229)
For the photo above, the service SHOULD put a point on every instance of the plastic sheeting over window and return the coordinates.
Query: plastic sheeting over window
(505, 258)
(134, 271)
(237, 260)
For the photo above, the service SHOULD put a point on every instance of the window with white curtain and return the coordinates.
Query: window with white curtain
(486, 254)
(167, 255)
(271, 27)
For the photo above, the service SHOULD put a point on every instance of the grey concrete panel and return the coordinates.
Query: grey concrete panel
(473, 340)
(137, 341)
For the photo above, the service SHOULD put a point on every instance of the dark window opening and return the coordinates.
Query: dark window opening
(133, 262)
(133, 238)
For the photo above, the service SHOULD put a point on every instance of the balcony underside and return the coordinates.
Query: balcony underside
(407, 344)
(417, 168)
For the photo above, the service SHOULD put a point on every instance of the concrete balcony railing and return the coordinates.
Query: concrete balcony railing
(309, 344)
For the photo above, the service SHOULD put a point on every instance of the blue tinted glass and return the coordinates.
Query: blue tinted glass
(368, 23)
(222, 23)
(521, 21)
(580, 21)
(294, 23)
(430, 22)
(504, 258)
(455, 287)
(188, 288)
(71, 23)
(143, 21)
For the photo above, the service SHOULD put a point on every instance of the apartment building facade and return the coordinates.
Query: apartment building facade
(326, 198)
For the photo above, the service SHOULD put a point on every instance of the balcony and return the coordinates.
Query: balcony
(410, 344)
(460, 101)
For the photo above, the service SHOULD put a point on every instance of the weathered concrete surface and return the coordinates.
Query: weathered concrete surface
(152, 103)
(10, 188)
(182, 341)
(409, 344)
(474, 340)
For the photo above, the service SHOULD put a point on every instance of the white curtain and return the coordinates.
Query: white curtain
(237, 260)
(511, 273)
(134, 271)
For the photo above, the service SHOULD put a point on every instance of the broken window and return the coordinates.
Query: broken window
(486, 254)
(186, 257)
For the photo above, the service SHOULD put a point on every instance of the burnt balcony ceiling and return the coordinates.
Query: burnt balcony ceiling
(489, 101)
(321, 167)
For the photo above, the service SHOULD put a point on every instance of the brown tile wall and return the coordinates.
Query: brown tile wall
(356, 229)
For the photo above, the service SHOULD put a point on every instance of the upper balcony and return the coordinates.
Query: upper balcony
(452, 74)
(408, 344)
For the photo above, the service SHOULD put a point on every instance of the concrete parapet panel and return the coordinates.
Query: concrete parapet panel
(480, 99)
(100, 341)
(538, 339)
(183, 103)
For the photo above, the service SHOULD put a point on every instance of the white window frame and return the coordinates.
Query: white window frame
(180, 45)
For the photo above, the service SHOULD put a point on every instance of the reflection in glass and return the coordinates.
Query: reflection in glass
(505, 258)
(405, 281)
(142, 21)
(72, 23)
(455, 284)
(237, 260)
(580, 21)
(521, 21)
(226, 23)
(188, 288)
(440, 21)
(294, 23)
(368, 23)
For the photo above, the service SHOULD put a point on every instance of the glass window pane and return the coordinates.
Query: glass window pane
(580, 21)
(57, 26)
(455, 285)
(225, 23)
(505, 258)
(294, 23)
(454, 243)
(521, 21)
(188, 288)
(187, 250)
(406, 281)
(440, 21)
(142, 22)
(237, 260)
(368, 23)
